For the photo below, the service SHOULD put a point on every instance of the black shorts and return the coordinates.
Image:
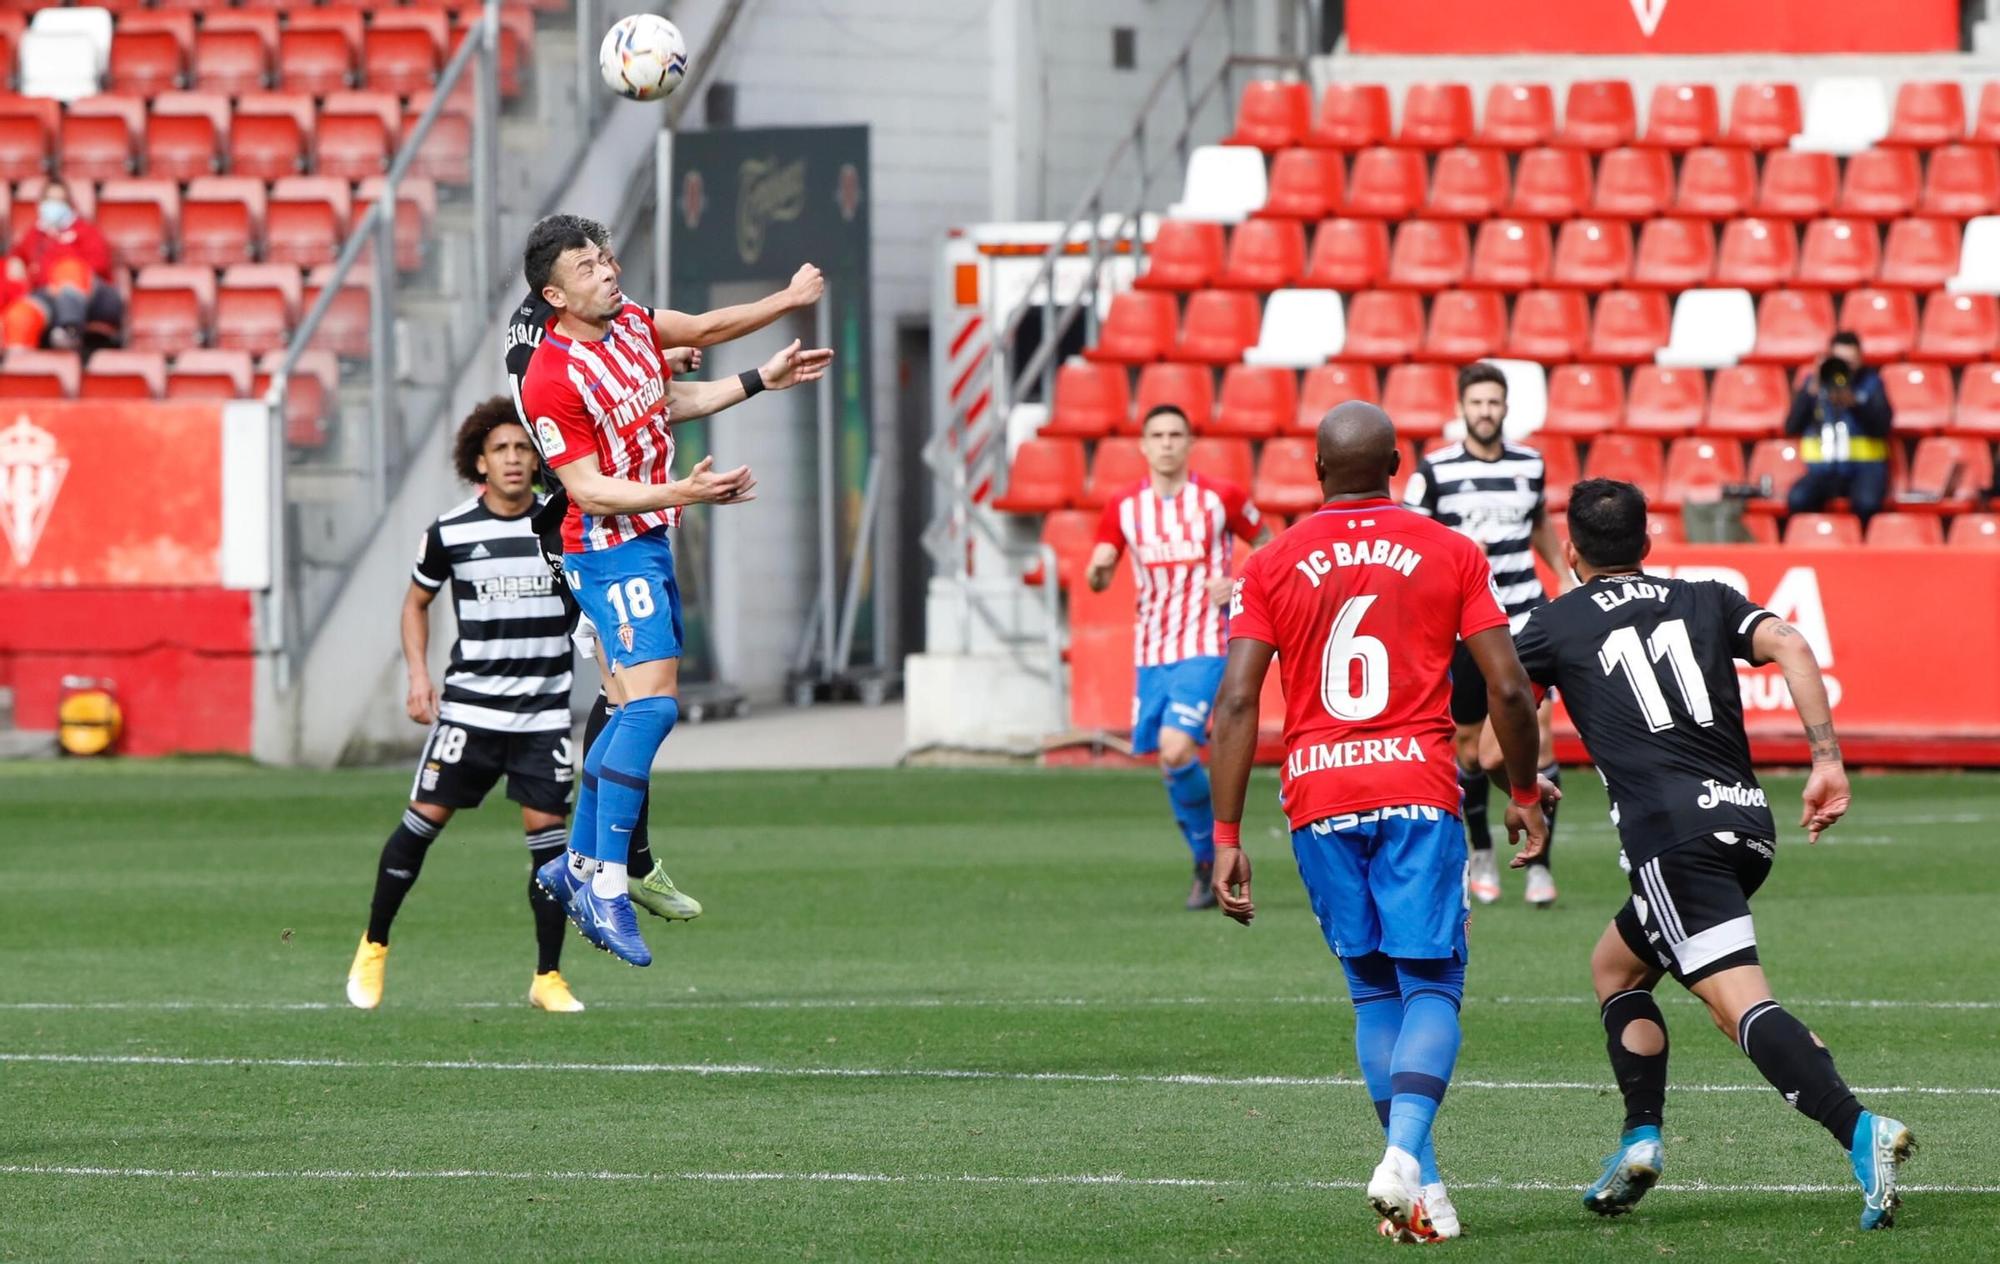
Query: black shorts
(460, 765)
(1690, 907)
(1468, 688)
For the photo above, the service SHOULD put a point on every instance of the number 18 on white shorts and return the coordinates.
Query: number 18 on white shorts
(628, 591)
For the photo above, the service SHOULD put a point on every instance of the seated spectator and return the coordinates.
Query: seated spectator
(65, 268)
(1841, 416)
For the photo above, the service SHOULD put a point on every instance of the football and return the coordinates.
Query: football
(643, 57)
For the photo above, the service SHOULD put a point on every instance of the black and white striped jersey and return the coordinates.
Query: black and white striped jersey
(1498, 503)
(510, 666)
(525, 329)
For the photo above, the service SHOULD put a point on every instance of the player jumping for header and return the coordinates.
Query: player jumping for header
(1177, 526)
(1363, 603)
(602, 405)
(1647, 667)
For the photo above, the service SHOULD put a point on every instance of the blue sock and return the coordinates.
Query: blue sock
(1426, 1049)
(1378, 1020)
(583, 825)
(630, 744)
(1187, 790)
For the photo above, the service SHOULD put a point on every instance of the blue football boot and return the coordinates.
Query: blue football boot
(562, 885)
(1629, 1173)
(1881, 1147)
(610, 923)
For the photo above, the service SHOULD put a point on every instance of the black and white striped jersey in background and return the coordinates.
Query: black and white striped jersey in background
(1499, 503)
(510, 667)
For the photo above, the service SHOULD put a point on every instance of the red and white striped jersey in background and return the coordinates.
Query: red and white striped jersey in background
(606, 399)
(1178, 543)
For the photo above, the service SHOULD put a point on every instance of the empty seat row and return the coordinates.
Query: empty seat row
(1514, 254)
(222, 220)
(1603, 114)
(253, 307)
(191, 375)
(1226, 183)
(184, 135)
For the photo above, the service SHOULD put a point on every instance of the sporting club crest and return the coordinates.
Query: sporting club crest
(625, 636)
(31, 473)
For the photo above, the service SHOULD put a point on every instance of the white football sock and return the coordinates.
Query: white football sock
(581, 866)
(609, 880)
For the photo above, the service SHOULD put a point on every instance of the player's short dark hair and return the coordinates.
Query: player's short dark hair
(1846, 338)
(1480, 371)
(472, 432)
(1607, 522)
(550, 237)
(1166, 410)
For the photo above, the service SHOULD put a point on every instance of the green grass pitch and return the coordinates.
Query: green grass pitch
(939, 1015)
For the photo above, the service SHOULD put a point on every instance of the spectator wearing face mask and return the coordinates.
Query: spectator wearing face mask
(65, 267)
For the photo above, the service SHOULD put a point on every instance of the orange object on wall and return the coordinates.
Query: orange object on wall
(1652, 26)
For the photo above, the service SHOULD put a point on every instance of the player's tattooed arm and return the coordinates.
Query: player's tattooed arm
(1775, 641)
(1825, 746)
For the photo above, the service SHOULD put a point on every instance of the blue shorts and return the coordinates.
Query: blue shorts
(1177, 695)
(628, 591)
(1391, 880)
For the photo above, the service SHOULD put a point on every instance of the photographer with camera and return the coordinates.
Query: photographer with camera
(1841, 417)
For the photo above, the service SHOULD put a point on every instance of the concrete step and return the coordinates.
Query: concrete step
(28, 744)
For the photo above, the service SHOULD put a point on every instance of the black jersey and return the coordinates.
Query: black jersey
(1499, 503)
(524, 333)
(1647, 668)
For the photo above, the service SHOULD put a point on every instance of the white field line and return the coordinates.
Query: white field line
(1118, 1179)
(932, 1002)
(708, 1069)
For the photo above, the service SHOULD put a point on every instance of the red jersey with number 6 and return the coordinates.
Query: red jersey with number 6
(606, 399)
(1365, 602)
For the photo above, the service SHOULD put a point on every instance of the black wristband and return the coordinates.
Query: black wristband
(753, 381)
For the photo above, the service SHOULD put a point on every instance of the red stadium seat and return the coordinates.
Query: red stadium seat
(354, 139)
(222, 220)
(1975, 531)
(1986, 119)
(1551, 326)
(1905, 531)
(1757, 254)
(140, 220)
(1429, 255)
(184, 135)
(1305, 184)
(1046, 475)
(1747, 401)
(1778, 460)
(116, 374)
(99, 143)
(1886, 320)
(1592, 254)
(1764, 115)
(1962, 181)
(315, 62)
(1599, 114)
(1264, 254)
(24, 144)
(1383, 326)
(445, 153)
(1353, 254)
(1952, 471)
(401, 58)
(171, 308)
(1880, 184)
(1584, 399)
(1421, 398)
(1629, 326)
(1227, 460)
(1921, 253)
(1717, 183)
(1666, 401)
(1674, 254)
(1138, 328)
(344, 329)
(1551, 184)
(1468, 184)
(1979, 402)
(1219, 326)
(1698, 469)
(1920, 394)
(32, 374)
(1793, 326)
(257, 306)
(1351, 116)
(1665, 529)
(261, 23)
(1634, 184)
(517, 29)
(1761, 526)
(269, 135)
(1518, 116)
(1959, 328)
(147, 59)
(416, 207)
(1823, 531)
(307, 220)
(1927, 114)
(231, 61)
(1683, 116)
(1839, 253)
(1071, 534)
(1560, 468)
(1511, 254)
(1272, 115)
(1466, 325)
(1184, 255)
(1285, 483)
(1257, 401)
(1091, 401)
(1630, 458)
(1327, 385)
(1798, 184)
(1436, 116)
(1386, 183)
(1188, 387)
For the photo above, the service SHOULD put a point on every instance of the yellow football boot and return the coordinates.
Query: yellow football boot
(364, 977)
(549, 992)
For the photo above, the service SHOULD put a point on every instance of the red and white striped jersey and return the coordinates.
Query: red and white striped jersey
(606, 399)
(1178, 543)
